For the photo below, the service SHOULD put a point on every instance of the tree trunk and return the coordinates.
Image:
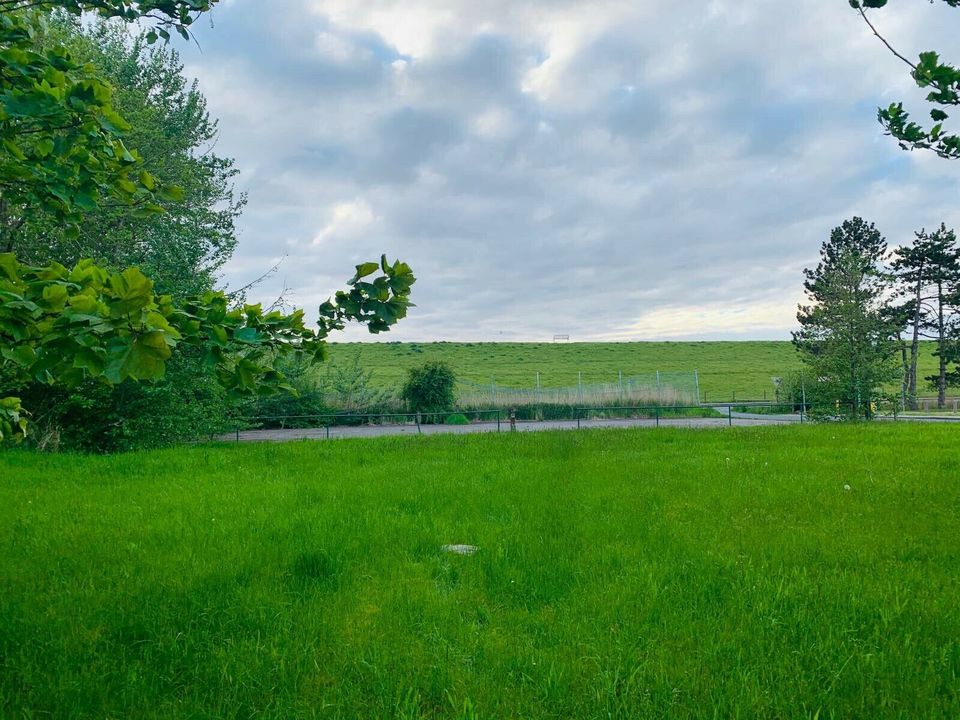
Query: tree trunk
(915, 345)
(941, 350)
(905, 365)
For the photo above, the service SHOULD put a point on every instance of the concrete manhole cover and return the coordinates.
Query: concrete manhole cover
(460, 549)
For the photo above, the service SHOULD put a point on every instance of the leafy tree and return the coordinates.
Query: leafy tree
(61, 145)
(845, 337)
(93, 416)
(430, 387)
(62, 152)
(182, 249)
(64, 327)
(167, 14)
(928, 271)
(61, 139)
(929, 73)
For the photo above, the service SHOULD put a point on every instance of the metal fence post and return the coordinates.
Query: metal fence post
(657, 410)
(578, 418)
(238, 432)
(498, 419)
(730, 415)
(327, 426)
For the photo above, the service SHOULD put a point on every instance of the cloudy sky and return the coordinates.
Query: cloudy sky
(608, 170)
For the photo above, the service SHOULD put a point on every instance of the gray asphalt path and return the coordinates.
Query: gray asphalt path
(763, 418)
(367, 431)
(740, 419)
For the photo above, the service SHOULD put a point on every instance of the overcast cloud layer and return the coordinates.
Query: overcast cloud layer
(608, 170)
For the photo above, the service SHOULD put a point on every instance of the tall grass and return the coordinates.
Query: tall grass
(672, 390)
(620, 574)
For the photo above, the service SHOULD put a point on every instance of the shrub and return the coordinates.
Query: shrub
(430, 387)
(457, 419)
(348, 387)
(296, 409)
(188, 403)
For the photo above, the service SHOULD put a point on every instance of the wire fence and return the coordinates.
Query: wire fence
(326, 421)
(930, 404)
(660, 388)
(499, 420)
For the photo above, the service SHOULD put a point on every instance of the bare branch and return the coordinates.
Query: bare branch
(883, 39)
(234, 293)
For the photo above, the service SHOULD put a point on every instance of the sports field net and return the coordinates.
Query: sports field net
(664, 388)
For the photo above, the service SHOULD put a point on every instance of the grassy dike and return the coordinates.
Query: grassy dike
(628, 574)
(727, 369)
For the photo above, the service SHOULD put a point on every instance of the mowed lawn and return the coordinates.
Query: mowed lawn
(620, 574)
(727, 370)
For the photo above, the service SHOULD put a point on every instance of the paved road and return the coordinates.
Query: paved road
(761, 418)
(739, 420)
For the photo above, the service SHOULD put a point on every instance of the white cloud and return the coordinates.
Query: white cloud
(347, 221)
(706, 320)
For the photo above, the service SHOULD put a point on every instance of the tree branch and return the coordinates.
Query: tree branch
(883, 39)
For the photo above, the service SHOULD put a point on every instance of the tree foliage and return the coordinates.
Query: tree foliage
(66, 168)
(430, 387)
(60, 326)
(928, 273)
(182, 249)
(166, 14)
(940, 79)
(846, 338)
(61, 140)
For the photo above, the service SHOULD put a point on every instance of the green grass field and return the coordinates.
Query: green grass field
(621, 574)
(727, 370)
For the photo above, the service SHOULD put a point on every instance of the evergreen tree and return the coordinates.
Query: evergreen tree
(847, 336)
(928, 271)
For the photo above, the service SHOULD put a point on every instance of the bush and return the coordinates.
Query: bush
(296, 409)
(348, 387)
(825, 401)
(430, 387)
(456, 419)
(187, 404)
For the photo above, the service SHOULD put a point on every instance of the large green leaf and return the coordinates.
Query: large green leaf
(132, 291)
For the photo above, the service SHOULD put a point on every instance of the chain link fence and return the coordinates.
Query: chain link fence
(658, 388)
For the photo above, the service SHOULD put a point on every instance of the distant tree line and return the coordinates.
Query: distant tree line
(869, 310)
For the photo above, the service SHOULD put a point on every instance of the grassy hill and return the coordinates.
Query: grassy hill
(726, 369)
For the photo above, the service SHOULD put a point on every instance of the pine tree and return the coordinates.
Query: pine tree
(928, 272)
(847, 335)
